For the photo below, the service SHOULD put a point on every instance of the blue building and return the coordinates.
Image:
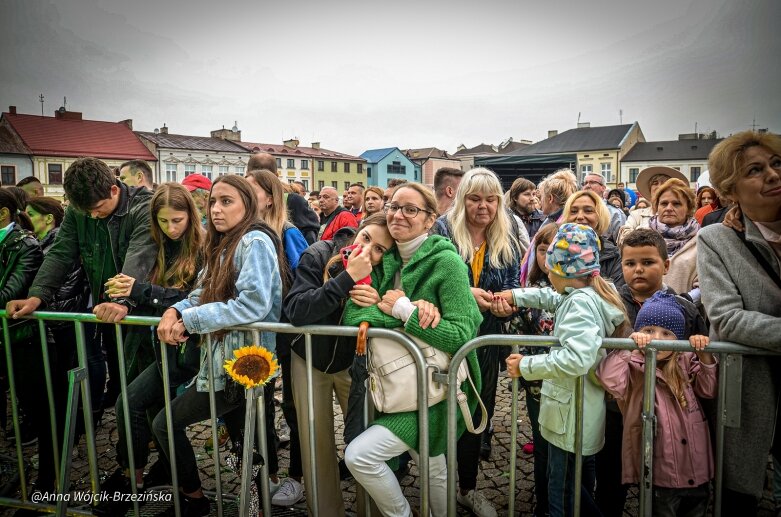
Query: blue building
(383, 165)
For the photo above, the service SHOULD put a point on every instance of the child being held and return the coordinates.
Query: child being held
(683, 460)
(587, 309)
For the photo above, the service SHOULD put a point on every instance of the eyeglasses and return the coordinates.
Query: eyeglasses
(408, 211)
(591, 182)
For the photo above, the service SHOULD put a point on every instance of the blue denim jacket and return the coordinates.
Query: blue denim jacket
(259, 299)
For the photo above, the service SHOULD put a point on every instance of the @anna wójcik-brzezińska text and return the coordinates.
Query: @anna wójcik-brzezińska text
(89, 498)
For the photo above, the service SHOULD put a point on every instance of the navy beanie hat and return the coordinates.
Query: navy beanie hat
(661, 310)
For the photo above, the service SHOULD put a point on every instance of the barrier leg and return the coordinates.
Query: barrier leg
(311, 491)
(246, 456)
(260, 401)
(513, 442)
(215, 439)
(578, 488)
(169, 422)
(126, 414)
(649, 424)
(47, 376)
(92, 453)
(14, 408)
(76, 375)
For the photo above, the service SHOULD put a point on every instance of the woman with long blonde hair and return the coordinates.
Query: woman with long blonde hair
(483, 232)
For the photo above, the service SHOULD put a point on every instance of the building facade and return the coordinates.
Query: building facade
(383, 165)
(428, 160)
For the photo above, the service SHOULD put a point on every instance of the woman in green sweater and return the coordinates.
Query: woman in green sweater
(424, 287)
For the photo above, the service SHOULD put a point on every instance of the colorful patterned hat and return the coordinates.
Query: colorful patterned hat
(574, 252)
(661, 310)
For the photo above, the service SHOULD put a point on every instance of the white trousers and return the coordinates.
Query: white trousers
(366, 456)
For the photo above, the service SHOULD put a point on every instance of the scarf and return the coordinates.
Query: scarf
(676, 237)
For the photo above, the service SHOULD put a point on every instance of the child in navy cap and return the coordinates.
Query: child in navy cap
(683, 463)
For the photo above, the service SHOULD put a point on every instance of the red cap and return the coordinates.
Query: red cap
(194, 181)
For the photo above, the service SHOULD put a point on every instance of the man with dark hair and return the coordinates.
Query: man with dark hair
(522, 202)
(446, 181)
(136, 173)
(259, 161)
(355, 194)
(31, 185)
(107, 228)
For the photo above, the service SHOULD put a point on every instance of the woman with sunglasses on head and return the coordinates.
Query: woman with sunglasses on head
(423, 286)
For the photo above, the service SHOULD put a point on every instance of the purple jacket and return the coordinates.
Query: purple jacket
(683, 456)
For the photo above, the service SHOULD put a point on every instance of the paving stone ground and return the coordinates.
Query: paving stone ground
(493, 479)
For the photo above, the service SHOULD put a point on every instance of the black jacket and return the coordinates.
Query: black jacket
(610, 263)
(532, 221)
(303, 217)
(695, 323)
(20, 256)
(129, 244)
(73, 295)
(310, 301)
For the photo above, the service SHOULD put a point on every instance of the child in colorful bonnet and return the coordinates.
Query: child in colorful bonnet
(683, 458)
(587, 309)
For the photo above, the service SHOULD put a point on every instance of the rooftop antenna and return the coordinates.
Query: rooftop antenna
(40, 99)
(620, 116)
(65, 102)
(578, 118)
(754, 124)
(695, 128)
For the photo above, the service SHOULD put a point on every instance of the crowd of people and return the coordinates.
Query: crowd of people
(572, 260)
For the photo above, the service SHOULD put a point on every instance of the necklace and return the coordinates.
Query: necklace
(477, 248)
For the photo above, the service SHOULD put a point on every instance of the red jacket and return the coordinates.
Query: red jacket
(342, 219)
(683, 457)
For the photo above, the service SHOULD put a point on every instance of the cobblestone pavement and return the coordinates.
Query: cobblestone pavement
(493, 480)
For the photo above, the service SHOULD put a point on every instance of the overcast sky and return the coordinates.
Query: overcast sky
(357, 75)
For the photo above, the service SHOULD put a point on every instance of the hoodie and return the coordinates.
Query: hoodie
(583, 319)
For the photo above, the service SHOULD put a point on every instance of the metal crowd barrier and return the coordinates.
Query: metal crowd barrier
(730, 355)
(254, 413)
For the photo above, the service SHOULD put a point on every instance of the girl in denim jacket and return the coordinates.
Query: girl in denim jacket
(244, 289)
(587, 309)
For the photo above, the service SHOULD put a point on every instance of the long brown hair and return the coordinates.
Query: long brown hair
(276, 215)
(183, 272)
(545, 236)
(219, 282)
(675, 378)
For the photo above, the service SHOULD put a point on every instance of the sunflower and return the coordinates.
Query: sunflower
(252, 366)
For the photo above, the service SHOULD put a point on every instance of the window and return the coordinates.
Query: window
(55, 173)
(346, 185)
(360, 168)
(320, 185)
(279, 163)
(240, 169)
(584, 170)
(189, 168)
(397, 168)
(607, 172)
(305, 164)
(8, 175)
(291, 163)
(223, 170)
(694, 173)
(170, 172)
(633, 172)
(335, 184)
(206, 170)
(368, 172)
(306, 185)
(333, 166)
(320, 165)
(346, 166)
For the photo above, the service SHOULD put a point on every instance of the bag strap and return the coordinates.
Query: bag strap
(464, 405)
(760, 258)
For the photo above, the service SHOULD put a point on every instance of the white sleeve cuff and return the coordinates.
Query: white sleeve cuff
(403, 309)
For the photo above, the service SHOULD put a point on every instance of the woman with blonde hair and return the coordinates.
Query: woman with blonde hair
(586, 207)
(483, 232)
(554, 192)
(372, 201)
(739, 263)
(673, 205)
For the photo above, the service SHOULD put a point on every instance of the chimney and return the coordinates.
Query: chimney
(292, 143)
(64, 114)
(12, 110)
(164, 129)
(128, 122)
(584, 125)
(315, 145)
(552, 133)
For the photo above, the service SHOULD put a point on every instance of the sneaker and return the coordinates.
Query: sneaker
(290, 492)
(273, 487)
(477, 503)
(222, 438)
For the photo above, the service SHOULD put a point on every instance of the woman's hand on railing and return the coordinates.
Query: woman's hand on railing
(171, 329)
(119, 286)
(364, 295)
(428, 314)
(513, 362)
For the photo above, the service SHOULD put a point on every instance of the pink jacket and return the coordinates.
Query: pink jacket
(683, 456)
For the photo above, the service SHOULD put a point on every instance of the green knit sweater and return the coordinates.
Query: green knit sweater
(437, 274)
